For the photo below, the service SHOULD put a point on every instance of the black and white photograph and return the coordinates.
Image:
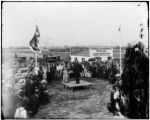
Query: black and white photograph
(75, 60)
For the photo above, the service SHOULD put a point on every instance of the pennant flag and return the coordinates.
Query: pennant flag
(35, 40)
(119, 29)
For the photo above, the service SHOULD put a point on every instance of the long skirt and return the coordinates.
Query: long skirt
(65, 76)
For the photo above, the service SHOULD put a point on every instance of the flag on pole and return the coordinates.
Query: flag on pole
(35, 40)
(119, 29)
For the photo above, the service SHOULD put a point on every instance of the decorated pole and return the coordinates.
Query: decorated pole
(34, 44)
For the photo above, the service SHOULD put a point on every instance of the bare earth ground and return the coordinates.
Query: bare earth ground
(82, 103)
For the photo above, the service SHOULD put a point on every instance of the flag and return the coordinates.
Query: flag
(119, 29)
(35, 40)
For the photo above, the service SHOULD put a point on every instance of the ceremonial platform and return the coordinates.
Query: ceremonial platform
(72, 84)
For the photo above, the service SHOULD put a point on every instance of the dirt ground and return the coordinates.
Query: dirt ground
(81, 103)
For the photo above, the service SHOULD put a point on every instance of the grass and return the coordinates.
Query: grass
(82, 103)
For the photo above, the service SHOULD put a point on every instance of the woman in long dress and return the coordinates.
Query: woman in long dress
(65, 73)
(48, 74)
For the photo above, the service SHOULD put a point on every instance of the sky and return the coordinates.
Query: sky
(73, 23)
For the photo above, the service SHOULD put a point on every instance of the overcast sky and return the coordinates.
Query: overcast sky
(69, 23)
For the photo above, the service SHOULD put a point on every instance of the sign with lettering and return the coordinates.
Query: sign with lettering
(104, 53)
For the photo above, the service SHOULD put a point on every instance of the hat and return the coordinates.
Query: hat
(43, 82)
(21, 81)
(117, 75)
(22, 87)
(24, 74)
(37, 91)
(21, 93)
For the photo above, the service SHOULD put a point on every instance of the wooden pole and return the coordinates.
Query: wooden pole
(70, 51)
(112, 50)
(120, 49)
(120, 59)
(35, 59)
(70, 55)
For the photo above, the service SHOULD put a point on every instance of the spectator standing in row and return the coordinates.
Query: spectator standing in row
(48, 73)
(40, 73)
(65, 73)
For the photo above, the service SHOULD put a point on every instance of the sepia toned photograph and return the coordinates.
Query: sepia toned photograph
(75, 60)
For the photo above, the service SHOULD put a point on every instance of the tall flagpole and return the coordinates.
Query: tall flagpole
(120, 48)
(70, 54)
(35, 59)
(112, 50)
(70, 51)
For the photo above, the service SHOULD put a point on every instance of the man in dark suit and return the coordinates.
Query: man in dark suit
(40, 73)
(34, 103)
(29, 88)
(77, 70)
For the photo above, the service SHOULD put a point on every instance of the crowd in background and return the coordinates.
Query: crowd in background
(95, 69)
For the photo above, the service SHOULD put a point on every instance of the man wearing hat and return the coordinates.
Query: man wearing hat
(34, 103)
(118, 76)
(40, 73)
(43, 97)
(29, 87)
(77, 70)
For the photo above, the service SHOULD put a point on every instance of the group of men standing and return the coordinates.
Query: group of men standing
(102, 70)
(65, 71)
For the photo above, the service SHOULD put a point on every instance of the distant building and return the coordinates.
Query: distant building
(104, 52)
(9, 53)
(80, 55)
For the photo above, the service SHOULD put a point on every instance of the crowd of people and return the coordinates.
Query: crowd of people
(104, 70)
(23, 91)
(67, 70)
(25, 87)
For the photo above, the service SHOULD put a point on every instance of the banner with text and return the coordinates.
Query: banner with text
(103, 52)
